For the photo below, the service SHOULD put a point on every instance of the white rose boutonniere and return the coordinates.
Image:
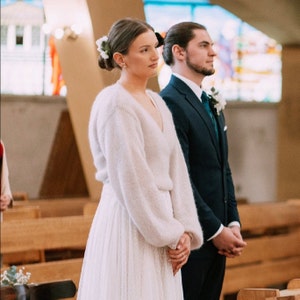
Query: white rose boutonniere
(217, 100)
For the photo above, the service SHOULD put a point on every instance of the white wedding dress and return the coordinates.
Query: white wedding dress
(128, 267)
(146, 202)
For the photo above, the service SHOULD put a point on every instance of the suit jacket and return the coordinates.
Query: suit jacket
(206, 157)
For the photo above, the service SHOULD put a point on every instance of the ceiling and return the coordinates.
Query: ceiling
(279, 19)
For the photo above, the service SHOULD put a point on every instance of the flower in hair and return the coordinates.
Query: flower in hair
(103, 47)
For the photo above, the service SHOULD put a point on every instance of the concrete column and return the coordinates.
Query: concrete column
(289, 126)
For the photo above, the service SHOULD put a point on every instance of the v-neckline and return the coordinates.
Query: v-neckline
(147, 113)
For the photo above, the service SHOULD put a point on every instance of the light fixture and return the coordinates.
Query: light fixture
(59, 33)
(67, 32)
(72, 32)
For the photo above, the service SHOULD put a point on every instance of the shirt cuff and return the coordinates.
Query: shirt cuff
(234, 223)
(217, 233)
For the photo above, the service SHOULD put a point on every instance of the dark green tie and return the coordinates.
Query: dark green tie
(205, 101)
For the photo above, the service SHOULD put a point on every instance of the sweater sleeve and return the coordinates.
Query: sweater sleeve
(122, 143)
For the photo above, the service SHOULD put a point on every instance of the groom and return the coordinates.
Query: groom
(201, 129)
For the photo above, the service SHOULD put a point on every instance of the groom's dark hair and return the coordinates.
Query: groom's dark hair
(179, 34)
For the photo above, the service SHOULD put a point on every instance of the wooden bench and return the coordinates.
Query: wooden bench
(271, 258)
(57, 207)
(19, 213)
(20, 196)
(272, 255)
(294, 284)
(90, 208)
(291, 293)
(48, 233)
(268, 294)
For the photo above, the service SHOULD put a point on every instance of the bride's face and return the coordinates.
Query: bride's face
(142, 57)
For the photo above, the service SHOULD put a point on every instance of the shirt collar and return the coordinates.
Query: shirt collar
(191, 84)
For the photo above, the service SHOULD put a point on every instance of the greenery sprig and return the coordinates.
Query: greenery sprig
(13, 276)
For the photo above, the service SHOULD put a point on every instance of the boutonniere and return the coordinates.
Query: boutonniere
(217, 100)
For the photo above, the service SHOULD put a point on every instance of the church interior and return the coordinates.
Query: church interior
(54, 205)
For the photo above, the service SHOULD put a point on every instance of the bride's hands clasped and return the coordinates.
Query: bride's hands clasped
(179, 256)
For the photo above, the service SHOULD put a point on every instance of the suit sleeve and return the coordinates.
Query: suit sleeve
(232, 213)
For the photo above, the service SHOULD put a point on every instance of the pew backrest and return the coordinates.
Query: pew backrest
(272, 256)
(45, 233)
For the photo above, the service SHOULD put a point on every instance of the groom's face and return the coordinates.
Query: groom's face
(200, 53)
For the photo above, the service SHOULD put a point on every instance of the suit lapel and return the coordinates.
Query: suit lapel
(194, 101)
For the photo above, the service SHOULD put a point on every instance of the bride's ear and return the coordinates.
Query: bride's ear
(119, 59)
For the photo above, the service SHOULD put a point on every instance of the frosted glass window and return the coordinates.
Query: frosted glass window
(4, 30)
(36, 36)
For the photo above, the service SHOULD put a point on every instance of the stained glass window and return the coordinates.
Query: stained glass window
(248, 64)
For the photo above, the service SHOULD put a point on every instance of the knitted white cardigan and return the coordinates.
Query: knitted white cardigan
(139, 161)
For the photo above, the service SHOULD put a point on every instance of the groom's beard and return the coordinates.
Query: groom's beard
(199, 69)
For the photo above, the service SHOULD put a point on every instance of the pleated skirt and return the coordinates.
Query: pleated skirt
(119, 264)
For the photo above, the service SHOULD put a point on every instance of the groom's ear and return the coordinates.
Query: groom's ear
(178, 52)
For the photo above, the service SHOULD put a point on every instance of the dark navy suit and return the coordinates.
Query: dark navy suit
(207, 161)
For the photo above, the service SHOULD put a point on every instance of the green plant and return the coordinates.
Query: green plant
(13, 276)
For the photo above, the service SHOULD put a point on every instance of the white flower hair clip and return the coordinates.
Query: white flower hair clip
(217, 100)
(103, 47)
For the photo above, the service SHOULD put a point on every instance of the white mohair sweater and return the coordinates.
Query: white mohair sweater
(146, 203)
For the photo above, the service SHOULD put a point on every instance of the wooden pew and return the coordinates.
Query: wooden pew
(268, 294)
(48, 233)
(294, 284)
(257, 294)
(57, 207)
(20, 196)
(45, 233)
(272, 256)
(90, 208)
(19, 213)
